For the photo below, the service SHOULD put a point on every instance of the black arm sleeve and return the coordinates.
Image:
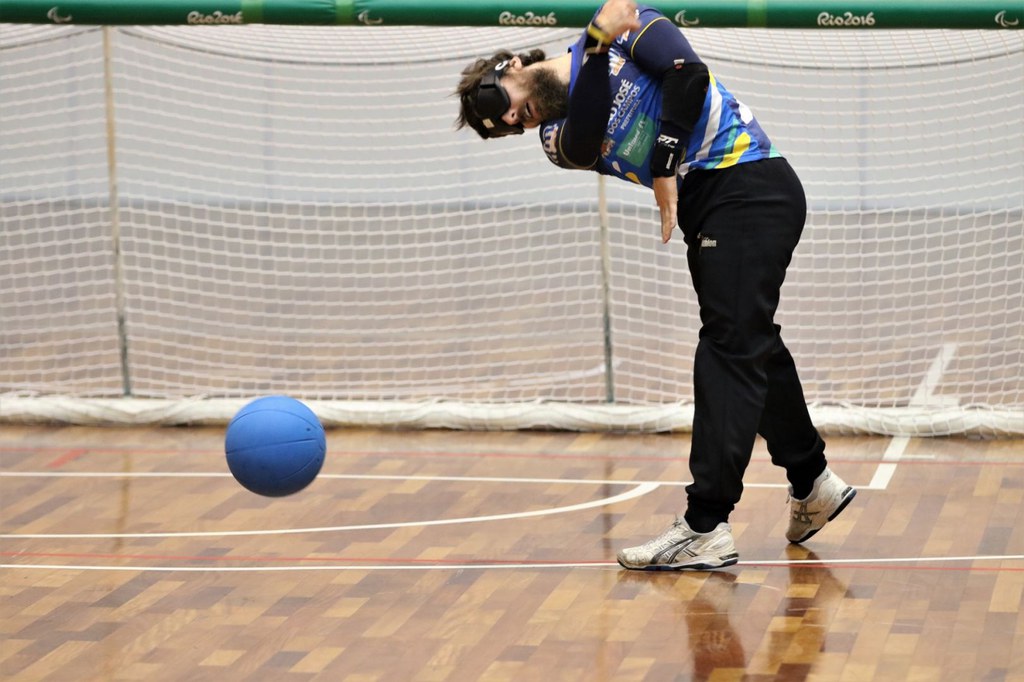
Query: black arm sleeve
(582, 133)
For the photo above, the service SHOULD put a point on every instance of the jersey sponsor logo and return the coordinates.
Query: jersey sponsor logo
(846, 19)
(626, 94)
(607, 145)
(615, 63)
(1002, 20)
(683, 21)
(638, 141)
(506, 18)
(217, 17)
(54, 16)
(549, 137)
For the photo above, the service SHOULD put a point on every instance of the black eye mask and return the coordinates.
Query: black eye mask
(492, 102)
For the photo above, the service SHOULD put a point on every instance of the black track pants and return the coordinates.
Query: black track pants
(741, 225)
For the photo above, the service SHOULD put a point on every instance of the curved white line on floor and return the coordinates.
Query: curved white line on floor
(366, 477)
(638, 491)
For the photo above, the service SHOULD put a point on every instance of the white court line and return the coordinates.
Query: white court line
(754, 563)
(641, 488)
(922, 396)
(638, 491)
(886, 469)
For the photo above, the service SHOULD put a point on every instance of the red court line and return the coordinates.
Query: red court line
(69, 456)
(677, 457)
(910, 565)
(818, 565)
(668, 457)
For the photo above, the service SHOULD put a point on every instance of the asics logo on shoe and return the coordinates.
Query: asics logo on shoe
(801, 515)
(674, 550)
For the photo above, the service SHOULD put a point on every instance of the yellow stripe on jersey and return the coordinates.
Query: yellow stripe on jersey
(738, 149)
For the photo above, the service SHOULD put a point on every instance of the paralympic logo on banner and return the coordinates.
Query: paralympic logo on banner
(684, 22)
(54, 16)
(1002, 20)
(365, 19)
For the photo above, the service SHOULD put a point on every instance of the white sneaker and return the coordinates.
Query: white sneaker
(828, 497)
(681, 549)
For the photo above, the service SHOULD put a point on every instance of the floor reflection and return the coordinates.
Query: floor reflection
(740, 625)
(705, 602)
(713, 640)
(793, 646)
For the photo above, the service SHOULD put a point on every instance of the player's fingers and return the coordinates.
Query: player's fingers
(668, 221)
(634, 20)
(668, 225)
(667, 199)
(621, 16)
(629, 19)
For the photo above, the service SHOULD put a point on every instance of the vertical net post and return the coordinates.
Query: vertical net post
(606, 290)
(115, 211)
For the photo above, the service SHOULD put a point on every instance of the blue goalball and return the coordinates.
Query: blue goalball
(275, 446)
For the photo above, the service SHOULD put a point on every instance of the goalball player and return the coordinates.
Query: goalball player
(632, 99)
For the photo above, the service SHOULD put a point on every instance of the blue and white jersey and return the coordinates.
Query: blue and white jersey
(725, 134)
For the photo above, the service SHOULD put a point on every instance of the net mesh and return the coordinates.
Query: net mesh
(294, 214)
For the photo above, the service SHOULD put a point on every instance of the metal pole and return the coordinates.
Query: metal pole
(115, 213)
(606, 290)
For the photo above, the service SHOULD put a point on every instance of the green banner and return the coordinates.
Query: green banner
(821, 14)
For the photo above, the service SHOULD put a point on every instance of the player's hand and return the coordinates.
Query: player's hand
(667, 197)
(618, 16)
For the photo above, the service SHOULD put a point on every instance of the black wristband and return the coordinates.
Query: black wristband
(666, 156)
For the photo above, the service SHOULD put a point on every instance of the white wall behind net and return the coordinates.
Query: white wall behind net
(296, 215)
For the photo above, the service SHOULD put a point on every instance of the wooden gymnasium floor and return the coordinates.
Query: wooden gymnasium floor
(130, 554)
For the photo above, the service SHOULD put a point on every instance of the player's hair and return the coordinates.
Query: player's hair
(469, 86)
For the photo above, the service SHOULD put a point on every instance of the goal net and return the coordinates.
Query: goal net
(197, 216)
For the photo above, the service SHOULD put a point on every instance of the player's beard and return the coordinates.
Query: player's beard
(549, 94)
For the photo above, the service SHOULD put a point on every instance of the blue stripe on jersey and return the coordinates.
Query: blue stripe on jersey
(726, 133)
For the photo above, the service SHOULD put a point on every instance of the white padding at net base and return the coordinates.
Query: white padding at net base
(677, 417)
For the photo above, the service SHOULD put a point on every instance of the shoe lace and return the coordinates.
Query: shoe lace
(664, 539)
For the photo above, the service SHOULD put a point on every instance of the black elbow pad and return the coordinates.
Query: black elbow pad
(683, 90)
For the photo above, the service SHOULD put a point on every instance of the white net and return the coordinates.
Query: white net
(295, 214)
